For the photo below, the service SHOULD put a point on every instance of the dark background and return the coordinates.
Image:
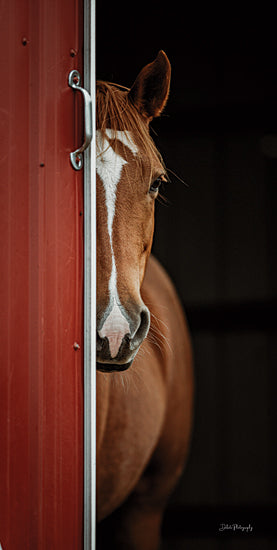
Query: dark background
(217, 238)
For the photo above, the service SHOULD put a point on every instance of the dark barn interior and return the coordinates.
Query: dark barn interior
(216, 235)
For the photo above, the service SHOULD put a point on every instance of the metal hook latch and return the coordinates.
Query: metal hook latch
(74, 81)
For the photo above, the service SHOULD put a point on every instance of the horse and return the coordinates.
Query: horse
(143, 348)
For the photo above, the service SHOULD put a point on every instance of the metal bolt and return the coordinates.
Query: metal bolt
(76, 346)
(73, 52)
(24, 41)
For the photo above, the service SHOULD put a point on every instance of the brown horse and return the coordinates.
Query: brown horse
(144, 361)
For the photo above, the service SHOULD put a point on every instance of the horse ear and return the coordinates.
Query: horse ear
(150, 90)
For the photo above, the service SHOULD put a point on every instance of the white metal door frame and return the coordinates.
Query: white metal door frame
(90, 290)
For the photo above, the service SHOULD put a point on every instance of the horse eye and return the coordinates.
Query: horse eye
(156, 184)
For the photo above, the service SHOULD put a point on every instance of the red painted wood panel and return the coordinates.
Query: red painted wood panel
(41, 284)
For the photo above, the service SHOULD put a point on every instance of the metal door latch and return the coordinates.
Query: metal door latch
(76, 157)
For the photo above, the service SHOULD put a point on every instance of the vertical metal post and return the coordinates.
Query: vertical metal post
(89, 290)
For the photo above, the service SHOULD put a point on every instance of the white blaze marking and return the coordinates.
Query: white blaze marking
(115, 327)
(108, 167)
(124, 137)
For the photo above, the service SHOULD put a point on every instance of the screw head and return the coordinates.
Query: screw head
(76, 346)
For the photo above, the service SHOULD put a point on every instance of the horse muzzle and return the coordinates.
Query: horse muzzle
(119, 338)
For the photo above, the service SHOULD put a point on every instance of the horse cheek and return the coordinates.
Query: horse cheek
(147, 246)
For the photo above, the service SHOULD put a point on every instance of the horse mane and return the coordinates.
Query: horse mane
(115, 110)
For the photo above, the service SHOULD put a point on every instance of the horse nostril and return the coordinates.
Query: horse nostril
(143, 328)
(102, 344)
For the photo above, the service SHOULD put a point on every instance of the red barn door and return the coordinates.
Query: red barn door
(41, 326)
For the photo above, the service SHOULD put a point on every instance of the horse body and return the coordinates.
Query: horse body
(144, 378)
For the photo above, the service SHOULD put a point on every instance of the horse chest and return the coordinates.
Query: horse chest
(129, 420)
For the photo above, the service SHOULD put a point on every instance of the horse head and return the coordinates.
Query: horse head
(129, 173)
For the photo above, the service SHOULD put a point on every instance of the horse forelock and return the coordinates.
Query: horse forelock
(116, 113)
